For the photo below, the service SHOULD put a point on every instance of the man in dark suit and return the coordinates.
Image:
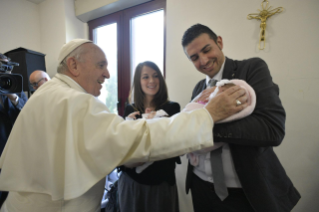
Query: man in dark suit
(10, 107)
(255, 179)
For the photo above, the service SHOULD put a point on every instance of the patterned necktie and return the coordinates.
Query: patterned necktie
(211, 83)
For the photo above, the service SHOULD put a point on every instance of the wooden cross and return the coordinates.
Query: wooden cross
(263, 14)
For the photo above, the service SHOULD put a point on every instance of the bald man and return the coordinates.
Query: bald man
(38, 78)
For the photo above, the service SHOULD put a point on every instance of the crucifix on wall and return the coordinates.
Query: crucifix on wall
(263, 14)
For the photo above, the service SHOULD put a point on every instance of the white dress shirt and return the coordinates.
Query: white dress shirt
(204, 170)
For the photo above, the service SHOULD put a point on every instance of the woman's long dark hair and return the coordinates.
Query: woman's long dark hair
(137, 96)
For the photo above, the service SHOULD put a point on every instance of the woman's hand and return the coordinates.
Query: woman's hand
(148, 110)
(133, 115)
(150, 113)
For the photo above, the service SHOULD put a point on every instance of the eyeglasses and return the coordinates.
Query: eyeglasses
(35, 84)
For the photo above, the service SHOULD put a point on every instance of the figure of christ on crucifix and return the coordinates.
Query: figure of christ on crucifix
(263, 14)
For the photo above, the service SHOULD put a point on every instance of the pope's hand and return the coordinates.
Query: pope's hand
(225, 104)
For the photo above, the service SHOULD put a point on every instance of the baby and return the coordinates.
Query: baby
(220, 87)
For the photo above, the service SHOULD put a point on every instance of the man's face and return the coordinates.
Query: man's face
(93, 70)
(37, 81)
(206, 55)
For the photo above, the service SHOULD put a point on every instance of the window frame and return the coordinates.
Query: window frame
(123, 20)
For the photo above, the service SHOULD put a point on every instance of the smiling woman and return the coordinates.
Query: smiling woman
(149, 88)
(149, 186)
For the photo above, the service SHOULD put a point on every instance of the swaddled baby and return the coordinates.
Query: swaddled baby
(220, 87)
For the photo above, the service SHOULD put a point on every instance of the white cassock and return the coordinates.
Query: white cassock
(65, 141)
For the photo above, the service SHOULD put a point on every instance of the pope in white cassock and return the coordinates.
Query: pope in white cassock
(65, 141)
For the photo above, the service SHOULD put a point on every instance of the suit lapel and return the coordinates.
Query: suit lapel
(229, 69)
(204, 85)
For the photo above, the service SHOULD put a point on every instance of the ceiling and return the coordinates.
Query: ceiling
(36, 1)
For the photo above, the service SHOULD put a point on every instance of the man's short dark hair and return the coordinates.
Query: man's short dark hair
(195, 31)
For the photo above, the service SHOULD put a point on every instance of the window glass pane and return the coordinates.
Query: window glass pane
(106, 38)
(147, 39)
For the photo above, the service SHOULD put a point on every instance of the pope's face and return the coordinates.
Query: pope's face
(206, 55)
(93, 69)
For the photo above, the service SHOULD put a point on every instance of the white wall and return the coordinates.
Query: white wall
(43, 27)
(74, 27)
(53, 31)
(58, 26)
(291, 54)
(19, 25)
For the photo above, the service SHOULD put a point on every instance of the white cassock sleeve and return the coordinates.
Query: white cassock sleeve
(65, 141)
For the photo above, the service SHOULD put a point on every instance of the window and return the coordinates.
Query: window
(129, 37)
(106, 39)
(147, 36)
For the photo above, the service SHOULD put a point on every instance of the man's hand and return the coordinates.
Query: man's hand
(12, 97)
(224, 104)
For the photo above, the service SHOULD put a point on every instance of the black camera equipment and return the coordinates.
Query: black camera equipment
(9, 83)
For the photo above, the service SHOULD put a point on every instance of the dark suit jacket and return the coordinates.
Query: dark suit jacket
(251, 140)
(8, 115)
